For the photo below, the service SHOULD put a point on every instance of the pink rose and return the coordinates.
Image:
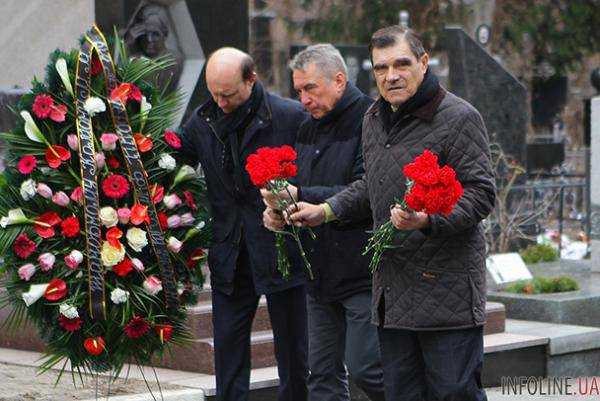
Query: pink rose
(74, 259)
(100, 160)
(174, 221)
(73, 142)
(174, 245)
(44, 190)
(187, 219)
(152, 285)
(61, 199)
(137, 264)
(109, 141)
(46, 261)
(77, 195)
(26, 271)
(124, 214)
(172, 201)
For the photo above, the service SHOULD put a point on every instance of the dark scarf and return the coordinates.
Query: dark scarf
(425, 93)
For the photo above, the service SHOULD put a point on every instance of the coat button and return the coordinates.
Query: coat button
(381, 180)
(387, 146)
(387, 289)
(317, 152)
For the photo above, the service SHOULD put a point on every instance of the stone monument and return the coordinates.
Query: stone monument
(500, 98)
(594, 124)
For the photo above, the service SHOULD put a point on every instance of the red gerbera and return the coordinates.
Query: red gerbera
(172, 139)
(126, 91)
(26, 164)
(57, 154)
(136, 327)
(189, 200)
(157, 192)
(70, 227)
(163, 220)
(23, 246)
(113, 235)
(123, 268)
(58, 112)
(42, 105)
(195, 258)
(94, 345)
(115, 186)
(164, 332)
(113, 162)
(143, 142)
(56, 290)
(48, 220)
(70, 324)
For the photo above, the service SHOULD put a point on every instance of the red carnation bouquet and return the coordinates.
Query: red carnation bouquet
(270, 168)
(429, 188)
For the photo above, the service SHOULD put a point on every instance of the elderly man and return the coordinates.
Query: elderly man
(241, 117)
(329, 158)
(429, 290)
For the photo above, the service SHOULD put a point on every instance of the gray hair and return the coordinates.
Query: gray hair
(327, 58)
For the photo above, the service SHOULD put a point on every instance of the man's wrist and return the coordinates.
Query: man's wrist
(329, 215)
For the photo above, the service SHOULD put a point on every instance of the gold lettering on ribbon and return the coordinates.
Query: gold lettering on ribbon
(136, 170)
(91, 202)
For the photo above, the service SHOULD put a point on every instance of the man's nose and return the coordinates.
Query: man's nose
(392, 75)
(222, 102)
(305, 99)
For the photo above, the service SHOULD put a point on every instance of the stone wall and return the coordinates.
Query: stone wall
(31, 29)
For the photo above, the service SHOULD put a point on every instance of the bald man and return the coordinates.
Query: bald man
(241, 117)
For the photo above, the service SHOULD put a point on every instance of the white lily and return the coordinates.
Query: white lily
(15, 216)
(31, 129)
(94, 105)
(36, 291)
(145, 107)
(185, 173)
(61, 68)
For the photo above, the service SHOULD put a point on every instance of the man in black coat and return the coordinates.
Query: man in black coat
(429, 290)
(240, 118)
(330, 158)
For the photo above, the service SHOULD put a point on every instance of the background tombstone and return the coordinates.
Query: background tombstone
(594, 125)
(200, 26)
(500, 98)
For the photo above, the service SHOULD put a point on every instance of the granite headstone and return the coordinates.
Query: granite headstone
(500, 98)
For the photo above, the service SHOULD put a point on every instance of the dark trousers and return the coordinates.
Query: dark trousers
(440, 365)
(341, 335)
(232, 319)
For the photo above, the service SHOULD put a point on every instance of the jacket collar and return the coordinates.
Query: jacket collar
(349, 97)
(425, 112)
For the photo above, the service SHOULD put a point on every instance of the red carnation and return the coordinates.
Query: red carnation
(195, 258)
(123, 268)
(164, 332)
(23, 246)
(70, 324)
(42, 105)
(136, 327)
(115, 186)
(163, 220)
(424, 169)
(48, 220)
(269, 164)
(113, 162)
(94, 345)
(57, 154)
(70, 227)
(157, 193)
(26, 164)
(172, 139)
(189, 200)
(57, 289)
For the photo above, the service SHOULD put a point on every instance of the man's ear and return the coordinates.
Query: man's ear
(340, 81)
(424, 62)
(252, 78)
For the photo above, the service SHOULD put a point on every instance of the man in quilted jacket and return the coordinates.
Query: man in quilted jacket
(429, 290)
